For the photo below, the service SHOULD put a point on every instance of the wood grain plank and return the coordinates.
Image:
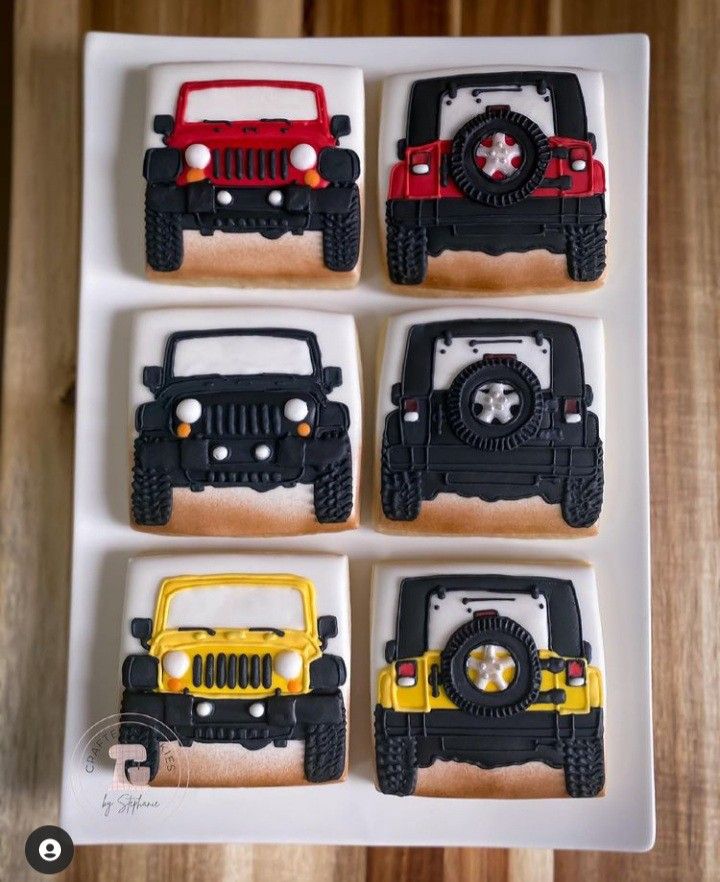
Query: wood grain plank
(495, 18)
(37, 419)
(200, 18)
(377, 18)
(684, 264)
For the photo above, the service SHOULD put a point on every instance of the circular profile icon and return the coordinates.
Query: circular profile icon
(49, 849)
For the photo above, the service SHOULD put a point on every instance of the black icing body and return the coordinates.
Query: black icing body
(453, 207)
(242, 415)
(435, 440)
(561, 727)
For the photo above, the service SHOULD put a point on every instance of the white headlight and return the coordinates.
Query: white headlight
(189, 410)
(303, 156)
(295, 410)
(175, 663)
(289, 664)
(197, 155)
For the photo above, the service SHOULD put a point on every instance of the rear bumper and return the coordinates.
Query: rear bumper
(490, 742)
(302, 207)
(285, 717)
(491, 475)
(189, 461)
(462, 224)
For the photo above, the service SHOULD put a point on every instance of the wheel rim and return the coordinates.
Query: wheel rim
(496, 402)
(498, 156)
(490, 668)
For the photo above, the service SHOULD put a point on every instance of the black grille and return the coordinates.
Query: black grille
(243, 419)
(232, 671)
(250, 164)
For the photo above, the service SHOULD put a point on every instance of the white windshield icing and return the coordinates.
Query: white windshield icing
(450, 358)
(236, 606)
(235, 103)
(237, 354)
(471, 101)
(446, 615)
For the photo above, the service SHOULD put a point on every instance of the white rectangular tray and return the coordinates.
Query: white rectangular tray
(113, 285)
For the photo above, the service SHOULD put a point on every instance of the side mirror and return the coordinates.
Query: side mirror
(339, 125)
(587, 651)
(141, 629)
(327, 628)
(331, 378)
(401, 147)
(163, 124)
(395, 394)
(152, 377)
(390, 651)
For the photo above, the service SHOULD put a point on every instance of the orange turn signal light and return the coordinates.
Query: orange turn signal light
(312, 178)
(195, 174)
(303, 429)
(183, 430)
(294, 685)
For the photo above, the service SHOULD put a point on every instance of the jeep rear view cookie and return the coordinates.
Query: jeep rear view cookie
(241, 659)
(490, 671)
(251, 155)
(242, 408)
(492, 409)
(496, 162)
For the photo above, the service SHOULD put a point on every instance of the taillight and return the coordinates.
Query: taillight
(406, 673)
(578, 159)
(420, 163)
(411, 410)
(575, 672)
(571, 410)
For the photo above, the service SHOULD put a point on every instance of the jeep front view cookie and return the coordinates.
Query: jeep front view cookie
(484, 413)
(241, 660)
(250, 409)
(254, 149)
(487, 671)
(495, 163)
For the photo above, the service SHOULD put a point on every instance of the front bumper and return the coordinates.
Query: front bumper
(464, 225)
(489, 742)
(189, 461)
(286, 717)
(302, 208)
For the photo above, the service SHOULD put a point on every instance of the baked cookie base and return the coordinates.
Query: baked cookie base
(451, 515)
(228, 765)
(241, 511)
(248, 260)
(475, 274)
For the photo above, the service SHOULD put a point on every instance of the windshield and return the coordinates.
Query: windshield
(445, 615)
(453, 354)
(473, 100)
(237, 354)
(240, 103)
(236, 606)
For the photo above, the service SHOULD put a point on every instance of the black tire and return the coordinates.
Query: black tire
(406, 253)
(325, 751)
(586, 251)
(133, 733)
(461, 408)
(341, 237)
(520, 184)
(395, 760)
(163, 240)
(151, 496)
(502, 631)
(400, 493)
(583, 497)
(333, 491)
(584, 764)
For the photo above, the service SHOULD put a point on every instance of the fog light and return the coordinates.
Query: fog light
(220, 452)
(223, 197)
(204, 708)
(256, 709)
(262, 452)
(275, 197)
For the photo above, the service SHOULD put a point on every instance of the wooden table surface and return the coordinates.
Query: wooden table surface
(37, 425)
